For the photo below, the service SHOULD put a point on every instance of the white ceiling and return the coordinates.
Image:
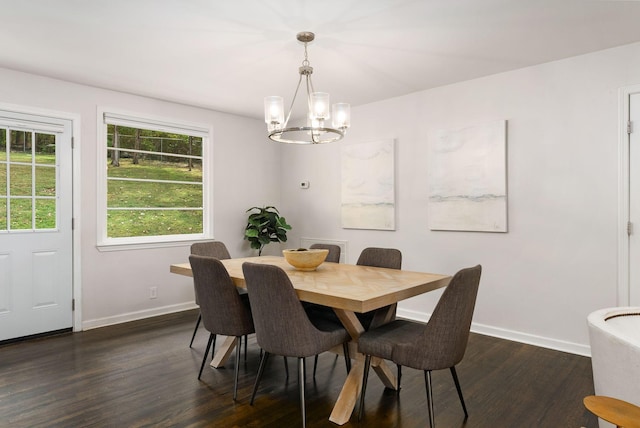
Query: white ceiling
(228, 54)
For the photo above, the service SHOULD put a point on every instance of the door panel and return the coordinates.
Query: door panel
(36, 253)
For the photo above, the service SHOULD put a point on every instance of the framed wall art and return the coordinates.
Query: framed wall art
(368, 185)
(467, 173)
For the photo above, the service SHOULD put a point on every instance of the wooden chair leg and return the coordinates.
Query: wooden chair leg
(195, 330)
(399, 377)
(301, 382)
(263, 362)
(427, 382)
(365, 376)
(457, 382)
(213, 347)
(206, 352)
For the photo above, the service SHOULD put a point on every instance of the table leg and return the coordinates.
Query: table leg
(346, 402)
(384, 372)
(224, 352)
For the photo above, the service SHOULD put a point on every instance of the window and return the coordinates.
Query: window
(154, 186)
(27, 179)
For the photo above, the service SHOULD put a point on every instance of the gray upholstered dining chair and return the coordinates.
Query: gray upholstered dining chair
(389, 258)
(282, 325)
(437, 345)
(334, 251)
(223, 310)
(215, 249)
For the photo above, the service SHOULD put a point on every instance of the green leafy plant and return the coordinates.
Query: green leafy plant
(265, 226)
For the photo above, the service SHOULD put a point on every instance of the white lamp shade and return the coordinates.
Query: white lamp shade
(341, 115)
(274, 111)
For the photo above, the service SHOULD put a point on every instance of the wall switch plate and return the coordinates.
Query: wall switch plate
(153, 292)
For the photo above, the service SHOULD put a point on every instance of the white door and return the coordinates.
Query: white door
(634, 199)
(36, 252)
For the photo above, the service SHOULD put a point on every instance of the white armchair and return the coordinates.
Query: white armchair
(614, 334)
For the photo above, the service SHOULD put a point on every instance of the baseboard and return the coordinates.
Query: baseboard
(133, 316)
(516, 336)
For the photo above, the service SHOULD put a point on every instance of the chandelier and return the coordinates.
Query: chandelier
(317, 129)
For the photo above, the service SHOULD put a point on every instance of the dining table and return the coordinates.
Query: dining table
(347, 289)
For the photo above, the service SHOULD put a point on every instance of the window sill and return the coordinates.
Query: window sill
(127, 246)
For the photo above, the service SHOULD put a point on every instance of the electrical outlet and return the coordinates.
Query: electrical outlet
(153, 292)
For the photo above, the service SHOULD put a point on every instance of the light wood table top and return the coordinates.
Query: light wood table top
(341, 286)
(618, 412)
(347, 289)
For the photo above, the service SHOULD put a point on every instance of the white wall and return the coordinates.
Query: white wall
(558, 262)
(115, 285)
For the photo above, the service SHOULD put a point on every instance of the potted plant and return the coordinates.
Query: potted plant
(265, 226)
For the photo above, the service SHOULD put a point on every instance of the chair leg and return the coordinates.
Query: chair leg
(246, 345)
(301, 382)
(367, 364)
(347, 358)
(399, 376)
(286, 366)
(206, 352)
(235, 380)
(457, 382)
(315, 365)
(263, 362)
(427, 381)
(195, 330)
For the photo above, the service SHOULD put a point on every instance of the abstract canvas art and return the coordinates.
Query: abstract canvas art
(368, 185)
(467, 175)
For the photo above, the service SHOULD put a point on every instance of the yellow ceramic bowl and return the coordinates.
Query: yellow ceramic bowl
(306, 260)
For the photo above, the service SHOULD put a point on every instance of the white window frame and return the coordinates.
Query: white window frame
(119, 117)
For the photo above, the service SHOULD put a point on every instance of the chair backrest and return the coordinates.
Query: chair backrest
(444, 340)
(222, 309)
(389, 258)
(334, 251)
(282, 325)
(215, 249)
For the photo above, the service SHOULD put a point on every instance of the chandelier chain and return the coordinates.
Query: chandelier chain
(305, 61)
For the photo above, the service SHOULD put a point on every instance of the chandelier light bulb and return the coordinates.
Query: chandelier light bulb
(341, 115)
(274, 110)
(320, 105)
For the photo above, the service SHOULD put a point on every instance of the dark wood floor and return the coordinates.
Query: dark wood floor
(144, 374)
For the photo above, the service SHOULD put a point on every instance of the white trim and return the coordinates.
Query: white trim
(179, 241)
(623, 194)
(77, 200)
(153, 208)
(153, 123)
(43, 127)
(515, 336)
(138, 315)
(306, 242)
(127, 150)
(138, 120)
(148, 180)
